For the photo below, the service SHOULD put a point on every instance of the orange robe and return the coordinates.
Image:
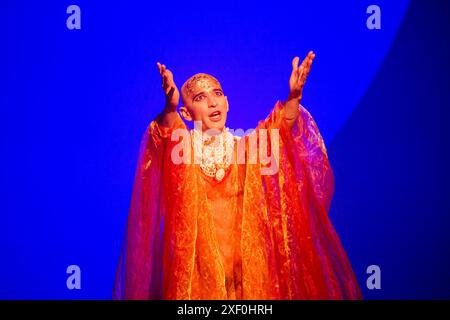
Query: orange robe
(249, 236)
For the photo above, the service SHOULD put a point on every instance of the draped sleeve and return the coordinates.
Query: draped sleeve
(139, 273)
(286, 246)
(285, 224)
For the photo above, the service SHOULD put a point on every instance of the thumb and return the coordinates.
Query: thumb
(295, 63)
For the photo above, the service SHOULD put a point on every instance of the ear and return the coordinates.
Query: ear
(185, 113)
(226, 98)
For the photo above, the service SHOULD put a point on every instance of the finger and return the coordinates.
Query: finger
(311, 58)
(307, 65)
(163, 81)
(294, 75)
(295, 63)
(169, 74)
(305, 61)
(159, 67)
(161, 73)
(301, 70)
(307, 70)
(164, 74)
(170, 80)
(310, 61)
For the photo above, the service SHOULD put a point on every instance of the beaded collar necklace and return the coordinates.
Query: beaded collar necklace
(215, 152)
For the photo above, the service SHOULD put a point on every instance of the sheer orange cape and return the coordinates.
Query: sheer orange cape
(250, 236)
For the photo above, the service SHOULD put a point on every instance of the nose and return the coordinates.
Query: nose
(212, 103)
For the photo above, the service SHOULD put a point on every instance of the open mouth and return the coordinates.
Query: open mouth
(216, 116)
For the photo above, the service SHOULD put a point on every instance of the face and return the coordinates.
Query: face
(204, 100)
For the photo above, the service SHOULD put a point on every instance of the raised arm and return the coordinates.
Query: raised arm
(169, 115)
(296, 84)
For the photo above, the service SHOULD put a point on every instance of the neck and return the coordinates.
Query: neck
(198, 128)
(210, 135)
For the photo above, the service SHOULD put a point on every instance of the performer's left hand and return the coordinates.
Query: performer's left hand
(299, 75)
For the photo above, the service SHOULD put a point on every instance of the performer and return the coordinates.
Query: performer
(210, 218)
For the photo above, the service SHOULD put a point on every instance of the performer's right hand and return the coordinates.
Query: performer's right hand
(169, 88)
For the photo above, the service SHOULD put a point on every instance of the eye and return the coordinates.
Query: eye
(199, 98)
(219, 93)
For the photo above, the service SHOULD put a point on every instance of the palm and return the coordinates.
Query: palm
(299, 75)
(169, 87)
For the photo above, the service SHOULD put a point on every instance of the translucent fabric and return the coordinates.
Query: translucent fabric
(249, 236)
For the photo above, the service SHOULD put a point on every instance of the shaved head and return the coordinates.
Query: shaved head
(204, 102)
(198, 82)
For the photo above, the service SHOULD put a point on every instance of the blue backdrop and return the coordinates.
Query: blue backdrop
(75, 103)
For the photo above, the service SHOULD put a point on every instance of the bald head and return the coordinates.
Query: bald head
(197, 83)
(204, 101)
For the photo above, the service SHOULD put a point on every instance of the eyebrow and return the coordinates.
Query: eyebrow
(200, 93)
(203, 92)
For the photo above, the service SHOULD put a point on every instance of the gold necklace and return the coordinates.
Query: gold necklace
(215, 152)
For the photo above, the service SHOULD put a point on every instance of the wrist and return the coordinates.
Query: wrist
(291, 109)
(293, 98)
(170, 108)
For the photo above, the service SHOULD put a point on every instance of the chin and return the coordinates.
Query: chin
(220, 126)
